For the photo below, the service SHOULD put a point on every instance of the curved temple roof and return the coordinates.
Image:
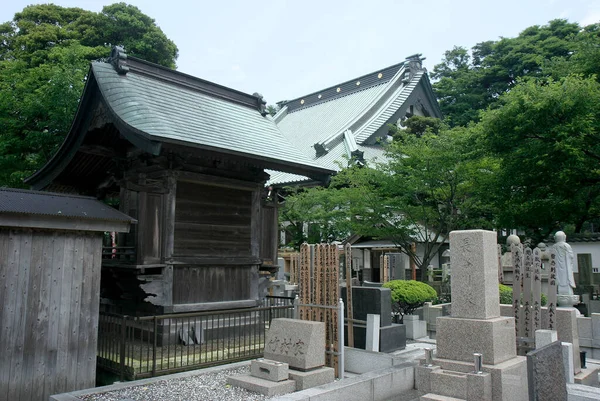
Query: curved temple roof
(335, 124)
(153, 105)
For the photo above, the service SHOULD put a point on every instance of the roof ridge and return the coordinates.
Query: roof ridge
(346, 82)
(341, 96)
(128, 63)
(376, 77)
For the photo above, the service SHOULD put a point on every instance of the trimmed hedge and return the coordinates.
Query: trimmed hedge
(408, 295)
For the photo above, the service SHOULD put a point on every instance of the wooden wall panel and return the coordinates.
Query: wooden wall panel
(212, 221)
(50, 294)
(211, 283)
(269, 235)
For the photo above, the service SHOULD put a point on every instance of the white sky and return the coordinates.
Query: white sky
(286, 49)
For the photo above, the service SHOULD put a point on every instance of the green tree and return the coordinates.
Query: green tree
(44, 58)
(408, 295)
(424, 190)
(469, 82)
(547, 135)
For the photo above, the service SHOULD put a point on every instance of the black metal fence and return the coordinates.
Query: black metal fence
(139, 347)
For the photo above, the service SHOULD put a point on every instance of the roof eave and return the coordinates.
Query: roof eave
(315, 172)
(89, 100)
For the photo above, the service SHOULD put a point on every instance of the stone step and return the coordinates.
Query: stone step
(449, 383)
(262, 386)
(588, 377)
(436, 397)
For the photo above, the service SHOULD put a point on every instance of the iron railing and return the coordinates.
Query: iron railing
(140, 347)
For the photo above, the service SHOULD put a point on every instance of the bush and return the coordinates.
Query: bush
(408, 295)
(506, 296)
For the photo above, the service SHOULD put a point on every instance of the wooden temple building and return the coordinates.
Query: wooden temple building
(187, 159)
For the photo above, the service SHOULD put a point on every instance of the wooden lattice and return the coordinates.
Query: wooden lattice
(319, 285)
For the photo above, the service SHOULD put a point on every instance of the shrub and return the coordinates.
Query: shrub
(408, 295)
(506, 296)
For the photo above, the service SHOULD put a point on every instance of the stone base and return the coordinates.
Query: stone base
(458, 338)
(262, 386)
(269, 370)
(509, 378)
(415, 328)
(435, 397)
(465, 386)
(588, 377)
(391, 338)
(314, 378)
(567, 300)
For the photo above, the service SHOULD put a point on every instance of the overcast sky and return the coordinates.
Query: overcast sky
(286, 49)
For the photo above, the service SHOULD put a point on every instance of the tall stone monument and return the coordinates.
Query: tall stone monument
(475, 327)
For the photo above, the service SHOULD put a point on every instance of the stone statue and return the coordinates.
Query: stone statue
(544, 254)
(565, 260)
(506, 259)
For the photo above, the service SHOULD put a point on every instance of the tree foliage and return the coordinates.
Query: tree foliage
(547, 134)
(408, 295)
(471, 81)
(44, 58)
(422, 192)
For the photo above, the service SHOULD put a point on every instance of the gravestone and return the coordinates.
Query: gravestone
(375, 301)
(475, 327)
(586, 275)
(299, 343)
(294, 359)
(546, 378)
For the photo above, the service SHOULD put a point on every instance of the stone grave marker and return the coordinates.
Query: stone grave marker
(586, 276)
(475, 329)
(294, 359)
(299, 343)
(545, 373)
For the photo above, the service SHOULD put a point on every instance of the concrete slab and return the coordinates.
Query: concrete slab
(262, 386)
(313, 378)
(435, 397)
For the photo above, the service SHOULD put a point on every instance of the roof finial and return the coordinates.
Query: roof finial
(415, 61)
(118, 59)
(262, 104)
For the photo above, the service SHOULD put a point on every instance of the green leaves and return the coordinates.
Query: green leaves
(425, 188)
(547, 134)
(44, 58)
(467, 85)
(408, 295)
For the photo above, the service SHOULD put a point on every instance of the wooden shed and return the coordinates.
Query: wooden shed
(50, 257)
(187, 158)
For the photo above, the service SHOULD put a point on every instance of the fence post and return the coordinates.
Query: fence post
(122, 350)
(296, 307)
(341, 338)
(154, 346)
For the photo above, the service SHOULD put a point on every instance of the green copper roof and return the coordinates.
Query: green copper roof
(329, 125)
(167, 106)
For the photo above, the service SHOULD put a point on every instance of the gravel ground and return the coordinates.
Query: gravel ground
(206, 387)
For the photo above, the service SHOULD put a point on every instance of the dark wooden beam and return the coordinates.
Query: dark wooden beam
(97, 150)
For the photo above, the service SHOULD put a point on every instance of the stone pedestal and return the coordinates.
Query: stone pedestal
(314, 378)
(567, 300)
(262, 386)
(458, 339)
(415, 328)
